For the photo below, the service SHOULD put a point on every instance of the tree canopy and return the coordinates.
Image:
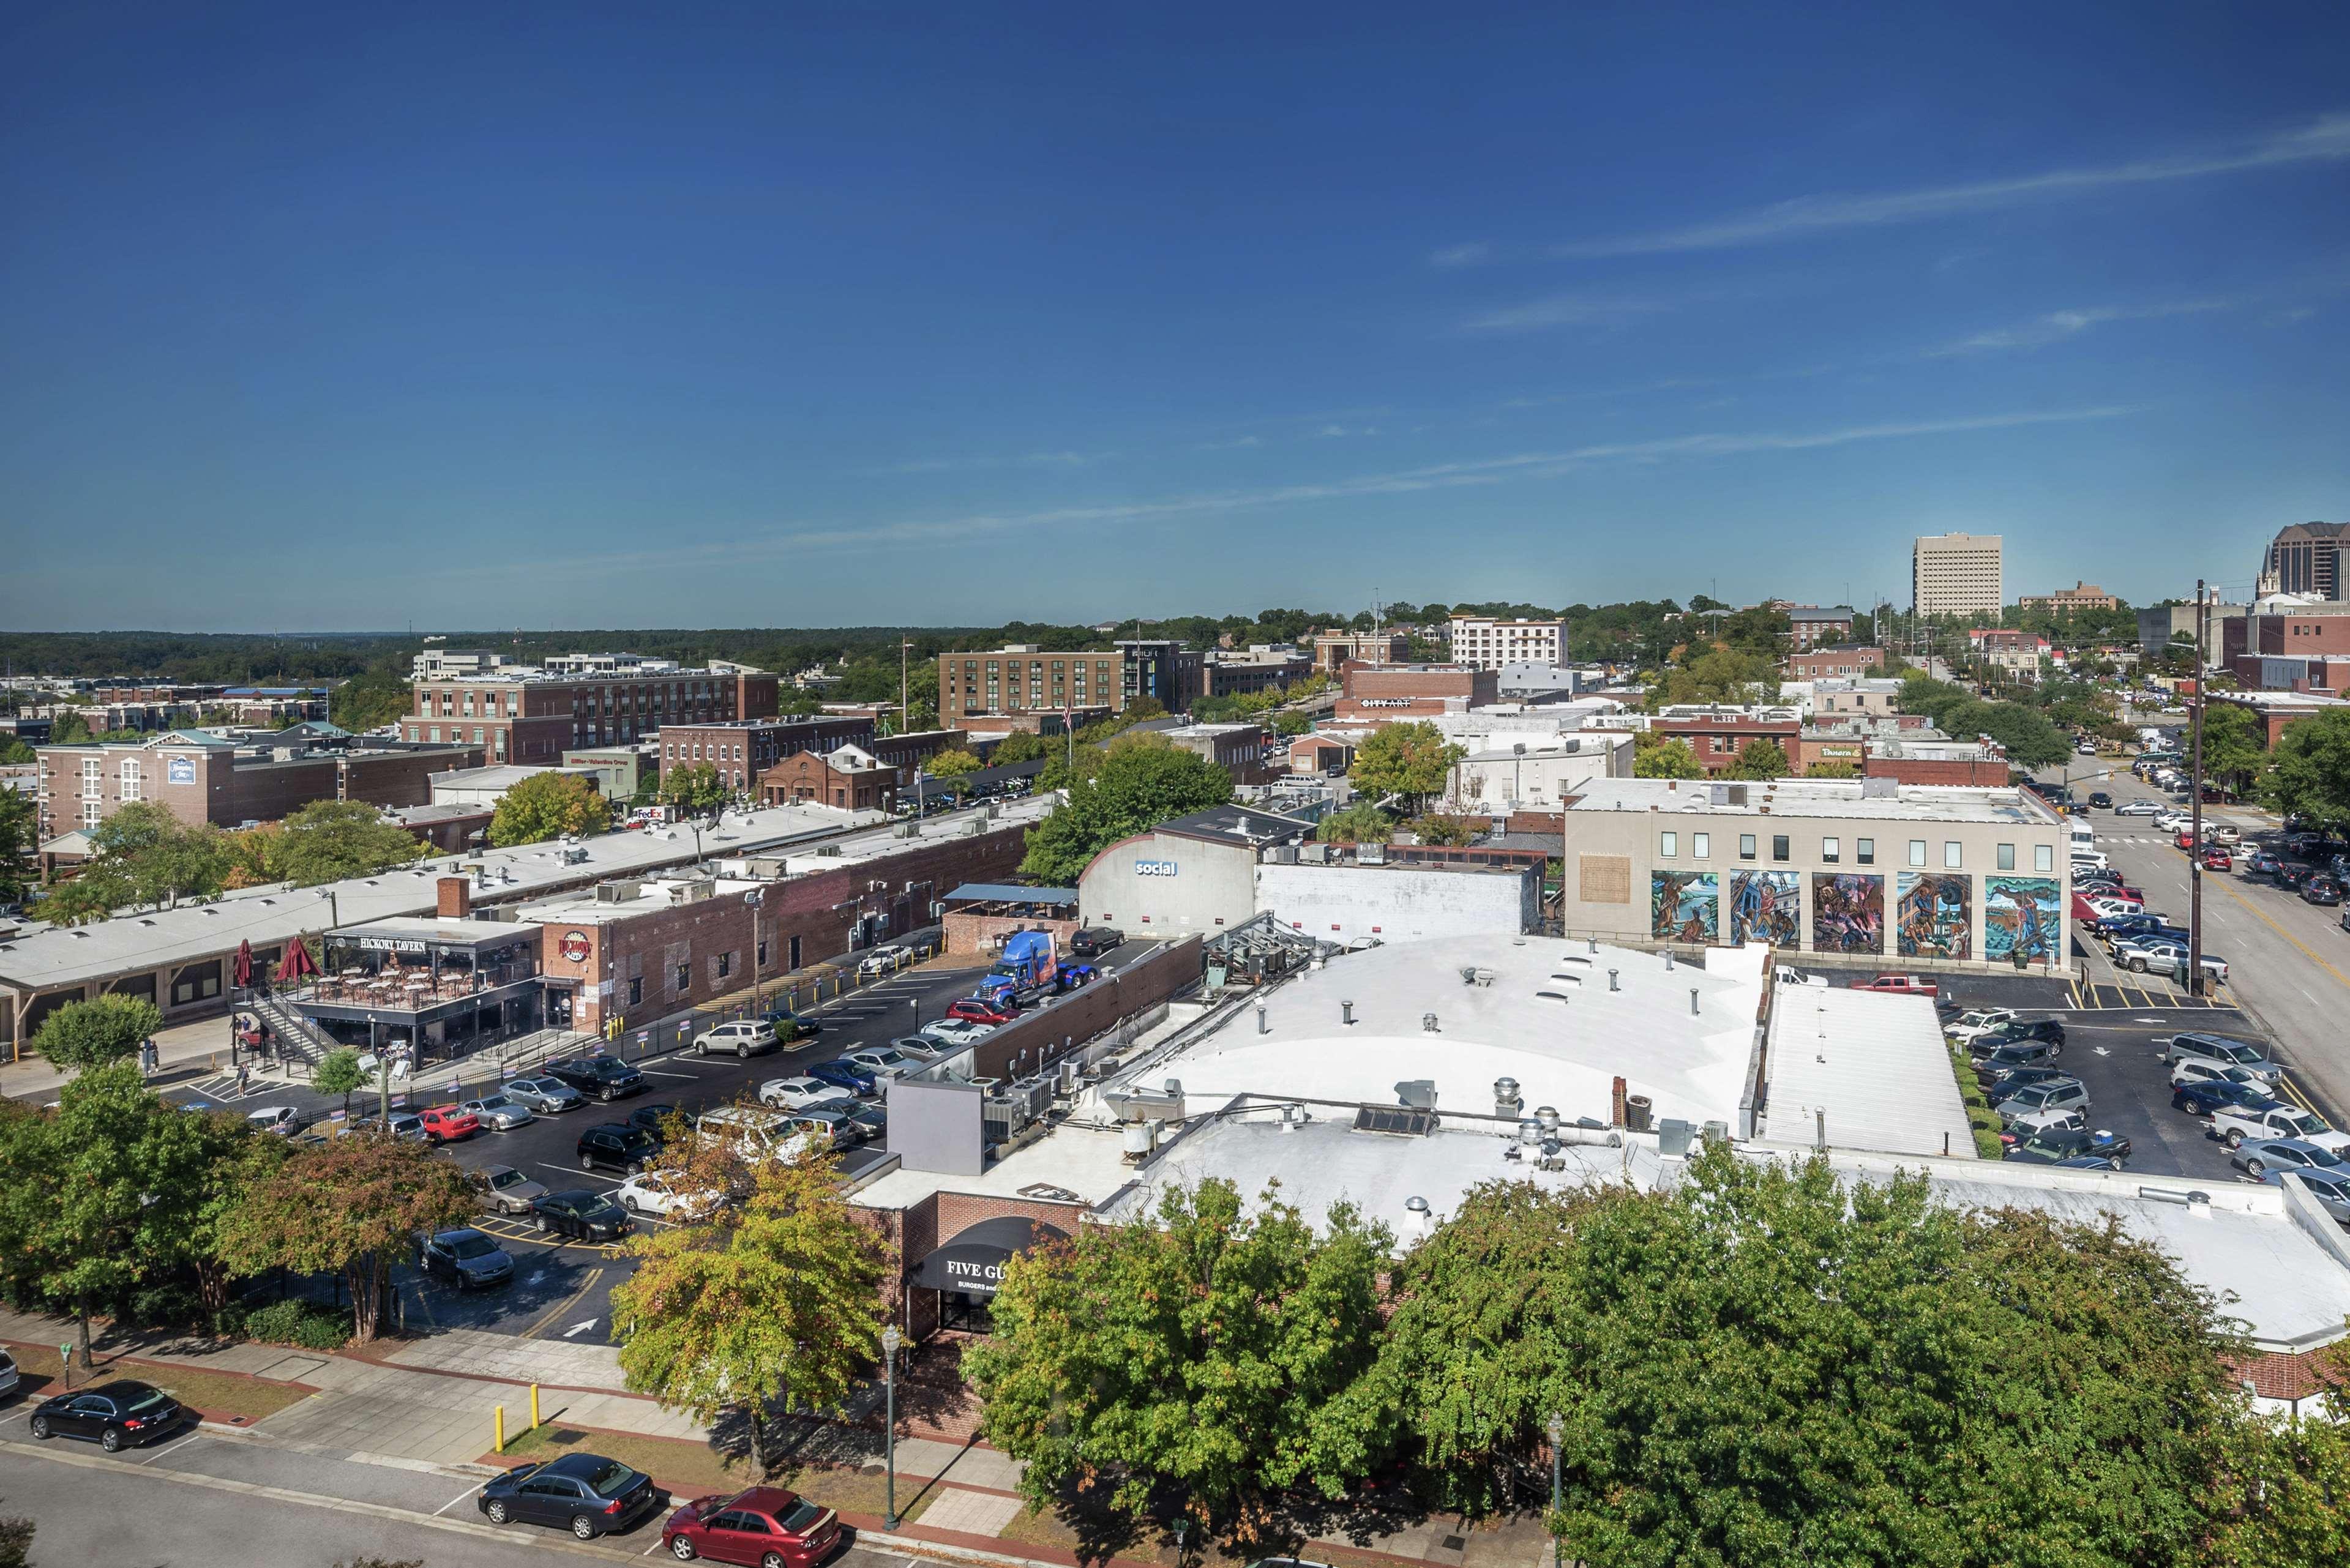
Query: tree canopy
(1670, 759)
(548, 806)
(696, 787)
(1138, 782)
(19, 837)
(1759, 759)
(1412, 760)
(954, 764)
(2030, 739)
(1361, 822)
(2311, 779)
(142, 855)
(325, 841)
(97, 1032)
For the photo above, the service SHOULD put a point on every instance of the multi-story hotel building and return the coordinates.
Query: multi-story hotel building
(1024, 679)
(1957, 573)
(1489, 644)
(534, 714)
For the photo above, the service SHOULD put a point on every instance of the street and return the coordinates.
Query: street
(208, 1501)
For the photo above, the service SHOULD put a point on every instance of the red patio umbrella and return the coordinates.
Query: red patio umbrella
(244, 971)
(297, 963)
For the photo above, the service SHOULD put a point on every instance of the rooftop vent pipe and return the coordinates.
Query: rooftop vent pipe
(1693, 1009)
(1262, 1026)
(1346, 1014)
(1611, 981)
(1668, 960)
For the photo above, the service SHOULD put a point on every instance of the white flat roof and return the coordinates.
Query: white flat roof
(1875, 1067)
(1086, 1161)
(266, 917)
(1564, 1039)
(1817, 798)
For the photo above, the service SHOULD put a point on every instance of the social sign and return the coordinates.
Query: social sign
(1154, 868)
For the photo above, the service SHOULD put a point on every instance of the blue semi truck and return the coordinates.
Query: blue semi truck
(1026, 969)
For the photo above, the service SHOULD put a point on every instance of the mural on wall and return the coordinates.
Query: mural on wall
(2020, 916)
(1765, 907)
(1681, 905)
(1935, 916)
(1847, 913)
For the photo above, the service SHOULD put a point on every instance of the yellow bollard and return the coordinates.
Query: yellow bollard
(502, 1429)
(533, 1406)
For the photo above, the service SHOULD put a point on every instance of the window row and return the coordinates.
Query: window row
(1864, 851)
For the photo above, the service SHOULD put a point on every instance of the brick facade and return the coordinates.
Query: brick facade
(1717, 738)
(1827, 663)
(742, 750)
(1027, 680)
(215, 784)
(534, 719)
(812, 779)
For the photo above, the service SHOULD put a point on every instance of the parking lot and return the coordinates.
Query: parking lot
(562, 1287)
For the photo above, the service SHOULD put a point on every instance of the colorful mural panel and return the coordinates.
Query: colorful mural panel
(1681, 905)
(1765, 907)
(2021, 914)
(1847, 913)
(1935, 916)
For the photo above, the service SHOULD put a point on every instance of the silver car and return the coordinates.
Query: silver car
(511, 1192)
(2258, 1156)
(2329, 1188)
(499, 1112)
(545, 1094)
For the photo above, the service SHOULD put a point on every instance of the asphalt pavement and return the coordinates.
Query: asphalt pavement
(208, 1501)
(562, 1288)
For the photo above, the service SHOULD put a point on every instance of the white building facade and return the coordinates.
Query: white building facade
(1488, 643)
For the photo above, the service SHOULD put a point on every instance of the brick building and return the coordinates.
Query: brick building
(1240, 750)
(1842, 660)
(2080, 596)
(1023, 678)
(534, 713)
(201, 778)
(642, 949)
(1230, 673)
(1376, 692)
(743, 749)
(1715, 739)
(850, 778)
(1809, 625)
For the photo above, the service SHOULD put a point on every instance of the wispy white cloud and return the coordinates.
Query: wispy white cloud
(1438, 476)
(1246, 441)
(2059, 324)
(2326, 139)
(1569, 310)
(1461, 255)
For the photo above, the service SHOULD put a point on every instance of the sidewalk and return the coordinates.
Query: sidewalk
(431, 1403)
(183, 1050)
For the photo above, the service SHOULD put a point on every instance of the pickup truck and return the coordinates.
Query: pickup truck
(1899, 985)
(2274, 1120)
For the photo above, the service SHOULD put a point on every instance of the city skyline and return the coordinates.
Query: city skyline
(635, 323)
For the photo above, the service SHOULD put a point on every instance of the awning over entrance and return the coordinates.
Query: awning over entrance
(974, 1261)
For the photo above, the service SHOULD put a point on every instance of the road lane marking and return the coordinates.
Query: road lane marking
(2306, 950)
(559, 1308)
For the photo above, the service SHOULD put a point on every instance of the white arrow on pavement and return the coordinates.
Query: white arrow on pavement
(578, 1329)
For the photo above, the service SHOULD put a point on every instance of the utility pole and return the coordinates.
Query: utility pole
(2195, 855)
(905, 713)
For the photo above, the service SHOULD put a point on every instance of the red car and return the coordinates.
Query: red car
(2216, 858)
(1899, 985)
(2185, 839)
(766, 1527)
(978, 1009)
(446, 1123)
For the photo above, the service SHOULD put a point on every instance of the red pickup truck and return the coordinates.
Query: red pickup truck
(446, 1123)
(1899, 985)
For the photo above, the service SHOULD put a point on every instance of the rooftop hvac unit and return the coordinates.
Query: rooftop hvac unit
(1282, 855)
(1137, 1105)
(1140, 1139)
(1417, 1094)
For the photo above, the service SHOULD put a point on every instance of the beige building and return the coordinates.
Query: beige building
(1485, 643)
(2080, 596)
(1024, 678)
(1957, 573)
(1865, 868)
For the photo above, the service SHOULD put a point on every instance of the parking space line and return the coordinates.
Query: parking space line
(458, 1499)
(657, 1072)
(585, 1177)
(151, 1455)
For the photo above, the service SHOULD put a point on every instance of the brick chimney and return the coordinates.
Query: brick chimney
(1617, 1110)
(456, 900)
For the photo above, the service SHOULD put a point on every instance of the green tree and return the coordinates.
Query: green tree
(329, 840)
(15, 753)
(1020, 746)
(696, 787)
(1768, 1365)
(1666, 760)
(2295, 1478)
(777, 1299)
(338, 1073)
(145, 849)
(1292, 724)
(1438, 828)
(92, 896)
(548, 806)
(95, 1196)
(1194, 1355)
(1832, 768)
(952, 764)
(15, 1541)
(1138, 782)
(19, 837)
(2311, 779)
(1759, 759)
(1361, 822)
(1758, 633)
(2234, 748)
(350, 1208)
(99, 1033)
(1410, 760)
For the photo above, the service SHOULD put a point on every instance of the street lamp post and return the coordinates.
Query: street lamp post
(1182, 1528)
(1517, 772)
(1556, 1430)
(756, 897)
(890, 1340)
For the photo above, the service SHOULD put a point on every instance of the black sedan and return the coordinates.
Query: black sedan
(586, 1494)
(114, 1415)
(2073, 1146)
(615, 1147)
(2207, 1096)
(589, 1216)
(466, 1258)
(598, 1077)
(2007, 1084)
(2321, 889)
(2017, 1030)
(649, 1119)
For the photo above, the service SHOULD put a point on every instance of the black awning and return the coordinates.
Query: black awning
(972, 1262)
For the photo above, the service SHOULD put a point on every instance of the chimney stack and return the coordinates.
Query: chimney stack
(1615, 1107)
(456, 898)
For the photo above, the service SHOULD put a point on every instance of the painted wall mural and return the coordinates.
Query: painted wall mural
(1935, 915)
(1765, 907)
(1847, 912)
(1681, 905)
(2021, 914)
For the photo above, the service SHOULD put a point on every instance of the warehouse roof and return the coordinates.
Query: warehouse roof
(1871, 1070)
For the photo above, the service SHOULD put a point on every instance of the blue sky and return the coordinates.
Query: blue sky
(332, 317)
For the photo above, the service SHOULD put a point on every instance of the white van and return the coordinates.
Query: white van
(2083, 836)
(758, 1133)
(2088, 858)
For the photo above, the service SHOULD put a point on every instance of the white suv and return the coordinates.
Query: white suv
(744, 1038)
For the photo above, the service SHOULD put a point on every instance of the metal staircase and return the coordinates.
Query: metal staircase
(299, 1040)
